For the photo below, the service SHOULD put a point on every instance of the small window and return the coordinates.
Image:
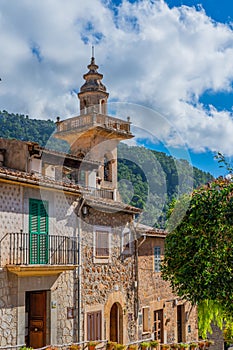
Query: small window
(82, 177)
(107, 169)
(157, 259)
(126, 241)
(145, 319)
(102, 244)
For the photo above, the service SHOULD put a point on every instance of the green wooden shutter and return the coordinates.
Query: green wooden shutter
(38, 229)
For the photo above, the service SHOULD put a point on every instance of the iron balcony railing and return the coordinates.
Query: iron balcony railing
(22, 248)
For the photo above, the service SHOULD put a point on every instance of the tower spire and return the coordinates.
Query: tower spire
(93, 92)
(93, 55)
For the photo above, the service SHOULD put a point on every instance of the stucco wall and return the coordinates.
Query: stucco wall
(14, 216)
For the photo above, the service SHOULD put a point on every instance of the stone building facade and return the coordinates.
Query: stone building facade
(72, 263)
(163, 316)
(64, 267)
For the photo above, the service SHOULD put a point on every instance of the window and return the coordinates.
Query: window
(145, 319)
(94, 328)
(107, 169)
(82, 177)
(38, 232)
(157, 259)
(126, 241)
(102, 244)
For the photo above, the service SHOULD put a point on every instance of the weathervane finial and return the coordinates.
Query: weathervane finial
(93, 51)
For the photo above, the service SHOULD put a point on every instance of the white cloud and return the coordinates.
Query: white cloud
(162, 58)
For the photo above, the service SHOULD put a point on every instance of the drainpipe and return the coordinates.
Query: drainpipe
(137, 245)
(79, 267)
(144, 238)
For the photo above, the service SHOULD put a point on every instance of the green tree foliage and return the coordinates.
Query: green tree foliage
(199, 254)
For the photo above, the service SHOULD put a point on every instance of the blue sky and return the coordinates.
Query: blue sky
(218, 11)
(220, 100)
(168, 64)
(222, 12)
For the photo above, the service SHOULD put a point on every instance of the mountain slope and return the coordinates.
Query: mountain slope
(151, 180)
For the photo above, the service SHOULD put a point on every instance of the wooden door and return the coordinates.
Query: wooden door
(180, 323)
(36, 319)
(114, 324)
(158, 325)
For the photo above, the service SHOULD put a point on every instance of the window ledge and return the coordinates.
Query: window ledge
(101, 260)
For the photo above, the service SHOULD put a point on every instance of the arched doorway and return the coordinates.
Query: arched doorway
(116, 323)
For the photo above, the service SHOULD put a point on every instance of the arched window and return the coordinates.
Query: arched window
(102, 107)
(85, 106)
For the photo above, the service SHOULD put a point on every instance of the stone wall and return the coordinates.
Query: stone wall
(8, 317)
(111, 280)
(217, 337)
(156, 294)
(64, 291)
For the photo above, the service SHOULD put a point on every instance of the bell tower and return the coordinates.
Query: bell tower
(93, 95)
(93, 134)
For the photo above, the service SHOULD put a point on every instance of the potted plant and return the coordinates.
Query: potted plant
(154, 344)
(193, 346)
(92, 344)
(164, 346)
(208, 343)
(133, 347)
(74, 347)
(110, 345)
(201, 344)
(144, 345)
(120, 346)
(183, 346)
(175, 346)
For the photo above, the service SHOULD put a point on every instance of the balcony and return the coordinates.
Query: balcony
(86, 121)
(38, 254)
(100, 193)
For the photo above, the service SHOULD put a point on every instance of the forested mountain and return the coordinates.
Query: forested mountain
(21, 127)
(147, 179)
(151, 180)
